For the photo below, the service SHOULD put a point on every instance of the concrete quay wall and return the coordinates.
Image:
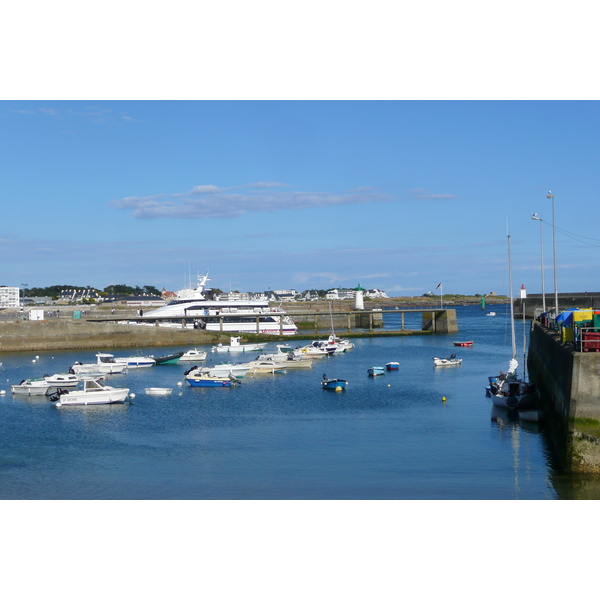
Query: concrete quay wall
(534, 302)
(67, 334)
(569, 383)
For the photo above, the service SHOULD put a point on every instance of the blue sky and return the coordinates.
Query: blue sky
(391, 149)
(397, 195)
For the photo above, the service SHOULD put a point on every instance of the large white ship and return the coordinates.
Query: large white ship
(248, 316)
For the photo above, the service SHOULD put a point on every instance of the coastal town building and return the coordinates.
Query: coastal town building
(9, 297)
(168, 296)
(143, 300)
(78, 295)
(286, 295)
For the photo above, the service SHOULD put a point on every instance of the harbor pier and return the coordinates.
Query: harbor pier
(534, 303)
(569, 383)
(97, 332)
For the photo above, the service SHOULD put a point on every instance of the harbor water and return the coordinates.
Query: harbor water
(416, 433)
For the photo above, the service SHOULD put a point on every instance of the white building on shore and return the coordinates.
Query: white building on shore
(9, 297)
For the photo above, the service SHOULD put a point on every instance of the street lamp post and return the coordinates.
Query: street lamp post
(536, 218)
(550, 196)
(22, 303)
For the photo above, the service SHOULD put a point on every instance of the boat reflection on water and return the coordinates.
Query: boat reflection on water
(517, 431)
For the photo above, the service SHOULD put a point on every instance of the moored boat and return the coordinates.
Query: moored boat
(199, 309)
(37, 386)
(464, 344)
(333, 384)
(136, 362)
(451, 361)
(168, 359)
(392, 366)
(375, 371)
(508, 390)
(192, 355)
(105, 364)
(315, 349)
(222, 370)
(62, 380)
(93, 392)
(198, 379)
(236, 346)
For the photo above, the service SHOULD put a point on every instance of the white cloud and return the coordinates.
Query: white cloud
(420, 194)
(209, 201)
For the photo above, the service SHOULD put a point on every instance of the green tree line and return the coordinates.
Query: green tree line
(54, 291)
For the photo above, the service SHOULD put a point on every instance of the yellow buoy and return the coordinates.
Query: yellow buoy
(338, 388)
(443, 398)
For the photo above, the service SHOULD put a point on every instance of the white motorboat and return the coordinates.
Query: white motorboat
(93, 392)
(31, 387)
(451, 361)
(196, 310)
(136, 362)
(491, 314)
(105, 364)
(265, 366)
(287, 361)
(193, 355)
(235, 346)
(315, 349)
(222, 370)
(62, 380)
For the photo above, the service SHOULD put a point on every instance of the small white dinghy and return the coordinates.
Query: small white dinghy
(158, 391)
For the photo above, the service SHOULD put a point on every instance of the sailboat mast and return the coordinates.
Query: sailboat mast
(512, 310)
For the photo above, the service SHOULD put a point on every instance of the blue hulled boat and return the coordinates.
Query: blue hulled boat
(374, 371)
(332, 384)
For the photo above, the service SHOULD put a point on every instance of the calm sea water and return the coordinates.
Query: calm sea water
(282, 436)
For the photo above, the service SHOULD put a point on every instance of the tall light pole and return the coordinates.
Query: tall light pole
(536, 218)
(550, 196)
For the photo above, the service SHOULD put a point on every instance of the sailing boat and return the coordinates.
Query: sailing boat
(333, 341)
(508, 390)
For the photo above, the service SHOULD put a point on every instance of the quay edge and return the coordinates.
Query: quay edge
(75, 334)
(569, 383)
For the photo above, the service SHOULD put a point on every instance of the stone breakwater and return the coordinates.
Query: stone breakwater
(67, 334)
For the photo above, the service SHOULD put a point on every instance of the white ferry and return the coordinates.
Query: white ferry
(248, 316)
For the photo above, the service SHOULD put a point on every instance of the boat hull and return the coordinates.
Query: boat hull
(169, 359)
(192, 355)
(447, 362)
(392, 366)
(333, 384)
(113, 396)
(30, 390)
(375, 371)
(209, 381)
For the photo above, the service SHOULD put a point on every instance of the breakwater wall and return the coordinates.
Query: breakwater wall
(534, 302)
(67, 334)
(569, 382)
